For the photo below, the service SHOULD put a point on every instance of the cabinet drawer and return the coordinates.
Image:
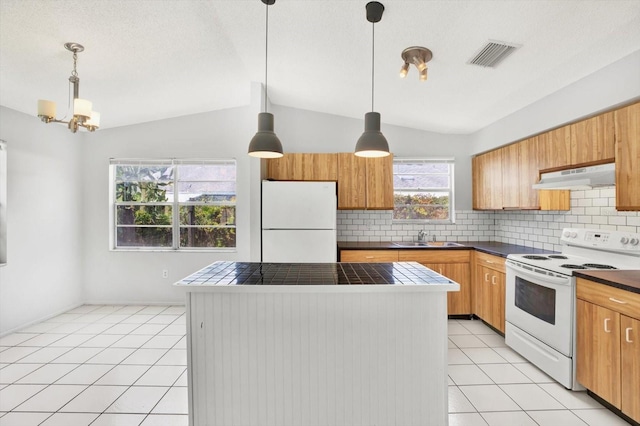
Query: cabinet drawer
(613, 298)
(434, 256)
(369, 255)
(490, 261)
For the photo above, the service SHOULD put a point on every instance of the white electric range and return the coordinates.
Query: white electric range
(540, 295)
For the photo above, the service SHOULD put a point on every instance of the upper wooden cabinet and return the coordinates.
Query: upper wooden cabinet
(487, 177)
(306, 167)
(554, 148)
(503, 179)
(365, 183)
(593, 139)
(627, 131)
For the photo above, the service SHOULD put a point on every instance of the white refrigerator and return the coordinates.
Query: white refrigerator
(299, 222)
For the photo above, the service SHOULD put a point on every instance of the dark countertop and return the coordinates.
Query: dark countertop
(233, 274)
(626, 280)
(490, 247)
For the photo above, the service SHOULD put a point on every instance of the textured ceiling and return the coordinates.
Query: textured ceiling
(152, 59)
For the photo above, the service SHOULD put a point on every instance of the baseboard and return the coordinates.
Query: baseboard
(41, 319)
(134, 302)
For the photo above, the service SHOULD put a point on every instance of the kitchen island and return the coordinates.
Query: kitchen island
(317, 344)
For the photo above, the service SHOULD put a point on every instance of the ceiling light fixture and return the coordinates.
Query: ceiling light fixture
(418, 56)
(372, 143)
(83, 116)
(265, 143)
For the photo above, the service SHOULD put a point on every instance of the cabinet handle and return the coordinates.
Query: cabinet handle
(493, 279)
(627, 335)
(440, 271)
(489, 261)
(606, 322)
(622, 302)
(368, 257)
(486, 276)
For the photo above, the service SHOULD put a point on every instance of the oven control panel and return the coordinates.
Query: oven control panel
(627, 242)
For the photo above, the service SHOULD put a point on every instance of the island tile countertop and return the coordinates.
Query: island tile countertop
(396, 274)
(491, 247)
(626, 280)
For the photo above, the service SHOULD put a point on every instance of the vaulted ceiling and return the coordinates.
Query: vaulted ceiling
(146, 60)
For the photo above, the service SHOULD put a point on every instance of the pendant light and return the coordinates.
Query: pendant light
(265, 143)
(372, 143)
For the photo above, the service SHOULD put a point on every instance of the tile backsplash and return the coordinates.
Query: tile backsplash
(541, 229)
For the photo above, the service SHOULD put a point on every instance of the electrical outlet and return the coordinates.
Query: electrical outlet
(165, 273)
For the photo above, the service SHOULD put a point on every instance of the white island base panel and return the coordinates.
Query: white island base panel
(317, 358)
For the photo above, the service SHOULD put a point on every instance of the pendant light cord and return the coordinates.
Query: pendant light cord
(373, 53)
(266, 56)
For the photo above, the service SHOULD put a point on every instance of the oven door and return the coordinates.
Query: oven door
(541, 305)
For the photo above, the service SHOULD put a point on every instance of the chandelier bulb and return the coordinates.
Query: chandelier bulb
(423, 74)
(404, 70)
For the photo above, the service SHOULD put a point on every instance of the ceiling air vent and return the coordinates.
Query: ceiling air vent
(493, 53)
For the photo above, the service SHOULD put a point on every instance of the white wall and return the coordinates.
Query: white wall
(44, 226)
(136, 277)
(613, 85)
(308, 131)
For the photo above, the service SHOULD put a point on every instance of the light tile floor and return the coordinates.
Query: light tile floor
(491, 385)
(126, 365)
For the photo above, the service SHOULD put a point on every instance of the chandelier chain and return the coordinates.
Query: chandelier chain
(75, 62)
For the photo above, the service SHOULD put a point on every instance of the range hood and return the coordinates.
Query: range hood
(581, 178)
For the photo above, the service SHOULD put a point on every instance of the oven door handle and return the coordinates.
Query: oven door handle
(540, 277)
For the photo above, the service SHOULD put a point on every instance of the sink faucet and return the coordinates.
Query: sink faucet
(421, 235)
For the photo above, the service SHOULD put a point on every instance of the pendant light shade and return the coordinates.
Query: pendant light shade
(372, 143)
(265, 144)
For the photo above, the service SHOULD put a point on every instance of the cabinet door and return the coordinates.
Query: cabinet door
(497, 300)
(593, 139)
(528, 173)
(511, 182)
(458, 303)
(554, 148)
(303, 166)
(368, 255)
(630, 348)
(598, 350)
(627, 124)
(486, 294)
(488, 170)
(379, 173)
(352, 184)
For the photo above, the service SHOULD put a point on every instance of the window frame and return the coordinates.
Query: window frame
(450, 190)
(175, 205)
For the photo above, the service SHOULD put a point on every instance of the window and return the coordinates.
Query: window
(423, 190)
(173, 204)
(3, 202)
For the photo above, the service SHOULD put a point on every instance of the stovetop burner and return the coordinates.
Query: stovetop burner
(534, 257)
(557, 256)
(570, 266)
(599, 266)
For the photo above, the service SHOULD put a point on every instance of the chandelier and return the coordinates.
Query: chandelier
(418, 56)
(83, 116)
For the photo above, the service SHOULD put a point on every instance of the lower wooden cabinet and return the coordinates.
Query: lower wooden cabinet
(489, 289)
(608, 344)
(453, 264)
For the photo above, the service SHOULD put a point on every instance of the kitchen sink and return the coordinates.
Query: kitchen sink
(426, 244)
